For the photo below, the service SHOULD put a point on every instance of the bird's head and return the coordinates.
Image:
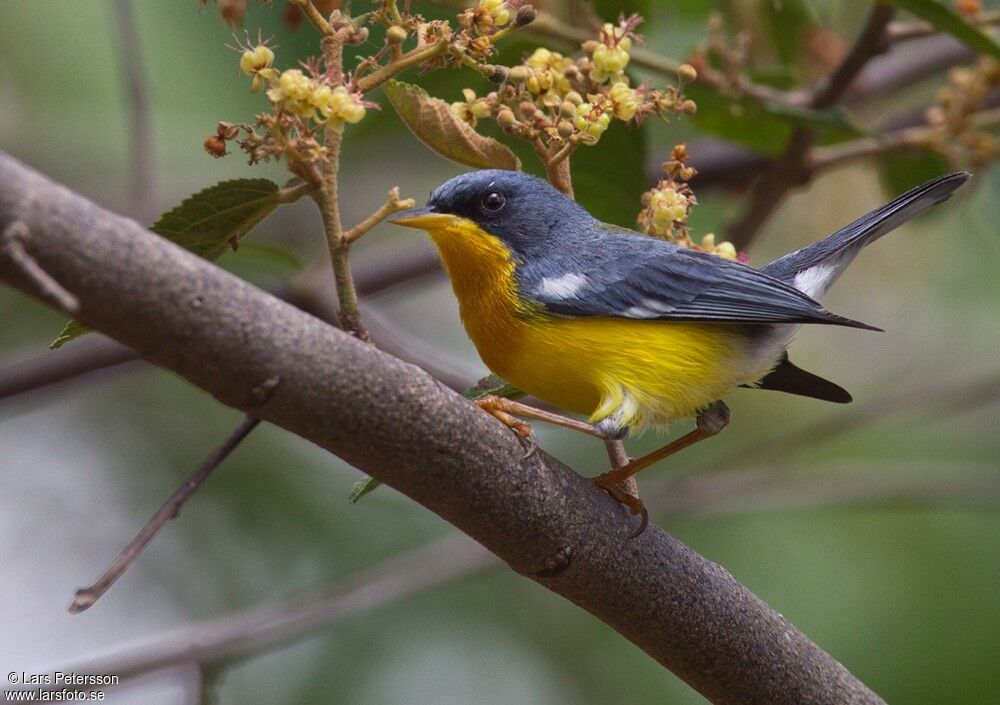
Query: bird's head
(522, 211)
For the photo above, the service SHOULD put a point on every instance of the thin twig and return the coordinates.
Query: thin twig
(142, 147)
(916, 29)
(392, 205)
(792, 169)
(85, 597)
(239, 636)
(13, 244)
(328, 199)
(315, 16)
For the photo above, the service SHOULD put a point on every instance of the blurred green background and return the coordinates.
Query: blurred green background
(903, 591)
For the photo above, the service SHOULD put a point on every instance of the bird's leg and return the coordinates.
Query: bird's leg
(709, 422)
(630, 488)
(504, 410)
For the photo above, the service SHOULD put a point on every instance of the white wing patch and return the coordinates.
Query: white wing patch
(565, 286)
(648, 308)
(814, 282)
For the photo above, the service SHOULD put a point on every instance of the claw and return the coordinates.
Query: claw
(642, 525)
(609, 484)
(497, 408)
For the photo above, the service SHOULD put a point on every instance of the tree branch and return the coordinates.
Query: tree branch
(396, 423)
(792, 169)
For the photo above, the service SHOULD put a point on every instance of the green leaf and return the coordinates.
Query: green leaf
(70, 331)
(207, 224)
(363, 487)
(791, 22)
(903, 169)
(947, 20)
(764, 127)
(208, 221)
(433, 122)
(494, 385)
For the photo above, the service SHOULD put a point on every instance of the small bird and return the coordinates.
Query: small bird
(629, 330)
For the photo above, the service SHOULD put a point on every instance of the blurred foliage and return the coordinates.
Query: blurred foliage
(903, 595)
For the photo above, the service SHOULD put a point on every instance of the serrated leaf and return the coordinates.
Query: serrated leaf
(947, 20)
(764, 128)
(207, 223)
(433, 122)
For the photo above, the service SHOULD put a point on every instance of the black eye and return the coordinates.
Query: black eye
(493, 201)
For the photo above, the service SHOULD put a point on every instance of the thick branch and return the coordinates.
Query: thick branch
(396, 423)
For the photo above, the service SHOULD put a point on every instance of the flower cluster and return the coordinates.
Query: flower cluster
(953, 117)
(666, 207)
(302, 103)
(555, 101)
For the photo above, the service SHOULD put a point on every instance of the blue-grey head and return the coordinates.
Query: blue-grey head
(526, 213)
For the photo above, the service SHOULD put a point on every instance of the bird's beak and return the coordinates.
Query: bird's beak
(425, 218)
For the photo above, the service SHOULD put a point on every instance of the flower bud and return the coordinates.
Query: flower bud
(686, 73)
(506, 119)
(565, 129)
(526, 14)
(688, 107)
(395, 34)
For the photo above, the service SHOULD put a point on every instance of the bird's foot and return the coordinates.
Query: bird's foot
(501, 409)
(612, 484)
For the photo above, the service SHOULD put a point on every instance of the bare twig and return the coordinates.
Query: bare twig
(371, 277)
(85, 597)
(142, 150)
(13, 243)
(402, 427)
(225, 640)
(393, 204)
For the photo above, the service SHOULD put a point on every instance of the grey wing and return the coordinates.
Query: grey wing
(642, 278)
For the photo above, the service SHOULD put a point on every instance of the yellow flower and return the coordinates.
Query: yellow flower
(592, 120)
(257, 63)
(625, 99)
(496, 9)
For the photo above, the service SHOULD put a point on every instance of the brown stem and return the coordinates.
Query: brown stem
(329, 206)
(411, 58)
(315, 16)
(85, 597)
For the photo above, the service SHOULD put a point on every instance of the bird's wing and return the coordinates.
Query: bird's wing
(632, 276)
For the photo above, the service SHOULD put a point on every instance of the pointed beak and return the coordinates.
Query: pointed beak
(424, 217)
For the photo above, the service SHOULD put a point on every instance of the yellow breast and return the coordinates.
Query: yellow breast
(653, 371)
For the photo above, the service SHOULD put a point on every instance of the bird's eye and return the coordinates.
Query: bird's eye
(493, 201)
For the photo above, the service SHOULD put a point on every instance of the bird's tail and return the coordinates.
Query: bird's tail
(814, 268)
